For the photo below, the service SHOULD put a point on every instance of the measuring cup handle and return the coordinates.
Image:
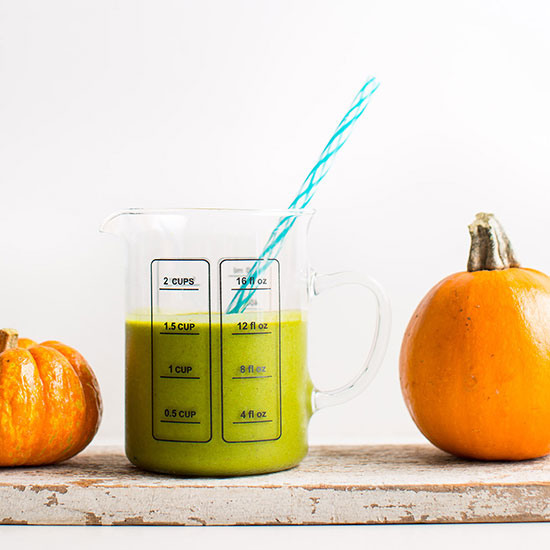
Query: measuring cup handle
(320, 283)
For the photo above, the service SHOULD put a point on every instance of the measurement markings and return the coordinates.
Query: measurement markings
(247, 333)
(179, 289)
(181, 333)
(180, 422)
(252, 421)
(182, 377)
(252, 288)
(249, 377)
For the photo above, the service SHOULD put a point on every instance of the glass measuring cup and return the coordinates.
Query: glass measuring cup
(216, 393)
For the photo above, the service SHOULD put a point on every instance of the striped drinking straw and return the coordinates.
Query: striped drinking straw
(305, 194)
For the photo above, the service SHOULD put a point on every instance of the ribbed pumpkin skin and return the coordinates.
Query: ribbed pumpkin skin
(475, 364)
(50, 405)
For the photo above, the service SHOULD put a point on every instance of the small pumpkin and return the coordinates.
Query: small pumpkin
(50, 402)
(475, 358)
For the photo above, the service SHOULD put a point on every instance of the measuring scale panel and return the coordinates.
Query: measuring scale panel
(181, 350)
(188, 345)
(251, 353)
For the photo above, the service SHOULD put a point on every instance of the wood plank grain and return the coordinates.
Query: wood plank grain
(333, 485)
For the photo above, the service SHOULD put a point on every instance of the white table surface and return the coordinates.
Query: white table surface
(445, 537)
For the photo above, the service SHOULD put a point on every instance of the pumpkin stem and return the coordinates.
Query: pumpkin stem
(8, 339)
(490, 248)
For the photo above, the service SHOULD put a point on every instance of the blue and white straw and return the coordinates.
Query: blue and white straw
(305, 194)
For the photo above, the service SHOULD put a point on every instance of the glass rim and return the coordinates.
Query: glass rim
(264, 211)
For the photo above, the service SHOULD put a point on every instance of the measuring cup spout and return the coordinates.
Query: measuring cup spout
(119, 223)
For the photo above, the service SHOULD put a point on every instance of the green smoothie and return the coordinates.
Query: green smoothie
(217, 395)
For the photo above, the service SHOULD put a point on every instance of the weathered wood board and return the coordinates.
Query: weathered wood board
(333, 485)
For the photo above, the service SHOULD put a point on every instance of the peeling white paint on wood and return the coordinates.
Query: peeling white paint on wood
(333, 485)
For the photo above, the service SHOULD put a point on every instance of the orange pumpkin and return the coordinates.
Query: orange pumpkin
(475, 358)
(50, 403)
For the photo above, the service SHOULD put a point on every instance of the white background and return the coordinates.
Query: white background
(109, 104)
